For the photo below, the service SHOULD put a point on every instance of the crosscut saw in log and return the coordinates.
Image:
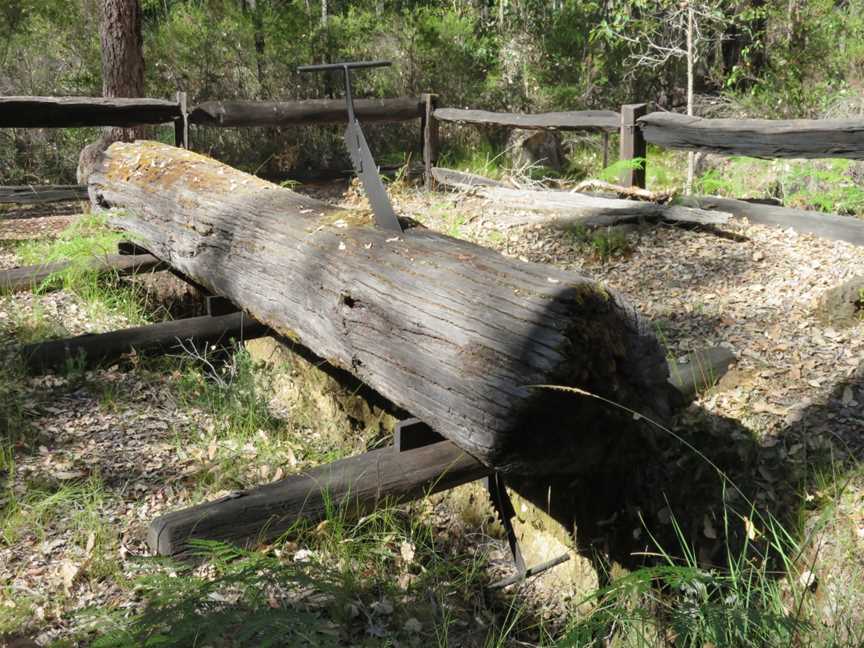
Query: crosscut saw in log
(358, 149)
(385, 218)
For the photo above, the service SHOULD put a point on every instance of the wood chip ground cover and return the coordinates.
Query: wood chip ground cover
(111, 448)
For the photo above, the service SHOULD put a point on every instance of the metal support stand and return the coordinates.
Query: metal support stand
(358, 149)
(504, 508)
(413, 433)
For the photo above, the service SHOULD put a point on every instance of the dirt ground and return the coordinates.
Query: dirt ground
(795, 394)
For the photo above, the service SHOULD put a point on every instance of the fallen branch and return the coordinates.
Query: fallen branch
(566, 208)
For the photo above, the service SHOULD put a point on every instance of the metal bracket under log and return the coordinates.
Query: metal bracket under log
(503, 506)
(413, 433)
(358, 148)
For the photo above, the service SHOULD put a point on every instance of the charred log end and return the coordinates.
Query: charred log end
(611, 376)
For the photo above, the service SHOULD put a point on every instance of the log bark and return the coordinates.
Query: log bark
(93, 349)
(453, 333)
(572, 120)
(295, 113)
(351, 487)
(764, 138)
(30, 277)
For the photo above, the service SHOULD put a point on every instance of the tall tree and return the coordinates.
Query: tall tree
(122, 73)
(252, 8)
(122, 54)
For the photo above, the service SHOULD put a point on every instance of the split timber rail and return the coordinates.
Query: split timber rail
(637, 127)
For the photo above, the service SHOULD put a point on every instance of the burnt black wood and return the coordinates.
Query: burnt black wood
(67, 112)
(37, 194)
(765, 138)
(312, 111)
(30, 277)
(571, 120)
(93, 349)
(349, 487)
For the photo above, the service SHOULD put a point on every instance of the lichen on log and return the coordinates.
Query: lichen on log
(451, 332)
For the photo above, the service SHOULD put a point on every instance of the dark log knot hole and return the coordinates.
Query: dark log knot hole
(349, 301)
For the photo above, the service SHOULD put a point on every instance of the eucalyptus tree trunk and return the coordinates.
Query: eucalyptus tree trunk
(691, 59)
(122, 56)
(122, 74)
(254, 10)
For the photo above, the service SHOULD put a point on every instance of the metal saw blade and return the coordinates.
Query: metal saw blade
(367, 170)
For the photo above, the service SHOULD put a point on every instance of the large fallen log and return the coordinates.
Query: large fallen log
(453, 333)
(39, 276)
(191, 335)
(349, 487)
(564, 208)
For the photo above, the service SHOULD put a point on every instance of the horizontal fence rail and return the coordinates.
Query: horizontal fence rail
(69, 112)
(763, 138)
(37, 194)
(571, 120)
(312, 111)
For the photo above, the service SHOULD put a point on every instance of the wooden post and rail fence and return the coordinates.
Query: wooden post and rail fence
(460, 371)
(636, 125)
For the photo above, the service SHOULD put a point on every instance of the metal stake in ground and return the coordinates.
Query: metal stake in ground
(358, 149)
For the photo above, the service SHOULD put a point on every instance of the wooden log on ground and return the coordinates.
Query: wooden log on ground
(833, 227)
(462, 180)
(69, 112)
(30, 277)
(37, 194)
(296, 113)
(699, 370)
(566, 208)
(193, 333)
(451, 332)
(764, 138)
(350, 487)
(571, 120)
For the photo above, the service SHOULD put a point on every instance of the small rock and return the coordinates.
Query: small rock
(808, 580)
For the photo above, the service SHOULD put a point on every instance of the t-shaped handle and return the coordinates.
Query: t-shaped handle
(346, 67)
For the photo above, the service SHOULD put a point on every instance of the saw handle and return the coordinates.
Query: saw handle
(347, 65)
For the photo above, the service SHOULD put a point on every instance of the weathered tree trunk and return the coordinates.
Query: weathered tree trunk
(122, 55)
(454, 333)
(252, 8)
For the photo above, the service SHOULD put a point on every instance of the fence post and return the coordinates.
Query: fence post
(430, 137)
(632, 144)
(181, 124)
(605, 149)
